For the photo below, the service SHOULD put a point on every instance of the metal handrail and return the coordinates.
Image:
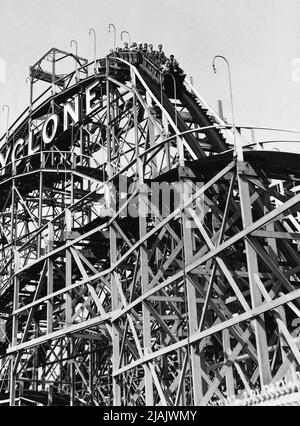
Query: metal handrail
(152, 65)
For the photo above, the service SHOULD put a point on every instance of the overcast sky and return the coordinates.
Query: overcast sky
(260, 38)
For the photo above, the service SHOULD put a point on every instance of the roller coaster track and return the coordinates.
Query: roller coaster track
(113, 291)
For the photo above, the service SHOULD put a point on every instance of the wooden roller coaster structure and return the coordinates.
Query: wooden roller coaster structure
(113, 293)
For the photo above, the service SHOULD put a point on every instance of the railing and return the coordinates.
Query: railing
(48, 159)
(139, 58)
(131, 57)
(153, 68)
(284, 393)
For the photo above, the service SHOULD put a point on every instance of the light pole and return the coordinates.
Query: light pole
(237, 151)
(112, 25)
(126, 32)
(29, 79)
(7, 119)
(92, 30)
(76, 50)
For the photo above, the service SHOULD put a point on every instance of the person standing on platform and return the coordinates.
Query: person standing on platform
(151, 52)
(160, 55)
(145, 48)
(134, 46)
(126, 47)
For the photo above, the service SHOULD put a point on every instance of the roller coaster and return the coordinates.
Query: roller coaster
(108, 297)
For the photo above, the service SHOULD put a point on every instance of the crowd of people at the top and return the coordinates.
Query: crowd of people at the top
(158, 56)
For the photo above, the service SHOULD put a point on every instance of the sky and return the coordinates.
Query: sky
(260, 39)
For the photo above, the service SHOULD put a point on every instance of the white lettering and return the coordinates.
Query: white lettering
(4, 160)
(19, 142)
(120, 416)
(89, 97)
(31, 150)
(50, 128)
(193, 414)
(71, 112)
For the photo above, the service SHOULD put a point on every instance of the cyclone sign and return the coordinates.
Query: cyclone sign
(72, 112)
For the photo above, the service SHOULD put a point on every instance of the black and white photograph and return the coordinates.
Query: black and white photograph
(149, 206)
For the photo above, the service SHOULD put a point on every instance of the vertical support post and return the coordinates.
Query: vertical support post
(253, 136)
(115, 298)
(50, 279)
(21, 391)
(12, 382)
(30, 95)
(13, 373)
(252, 263)
(145, 287)
(30, 132)
(69, 306)
(68, 219)
(72, 371)
(62, 346)
(151, 135)
(91, 371)
(220, 105)
(273, 253)
(35, 362)
(50, 395)
(12, 222)
(53, 80)
(143, 250)
(229, 373)
(39, 241)
(198, 384)
(113, 251)
(12, 389)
